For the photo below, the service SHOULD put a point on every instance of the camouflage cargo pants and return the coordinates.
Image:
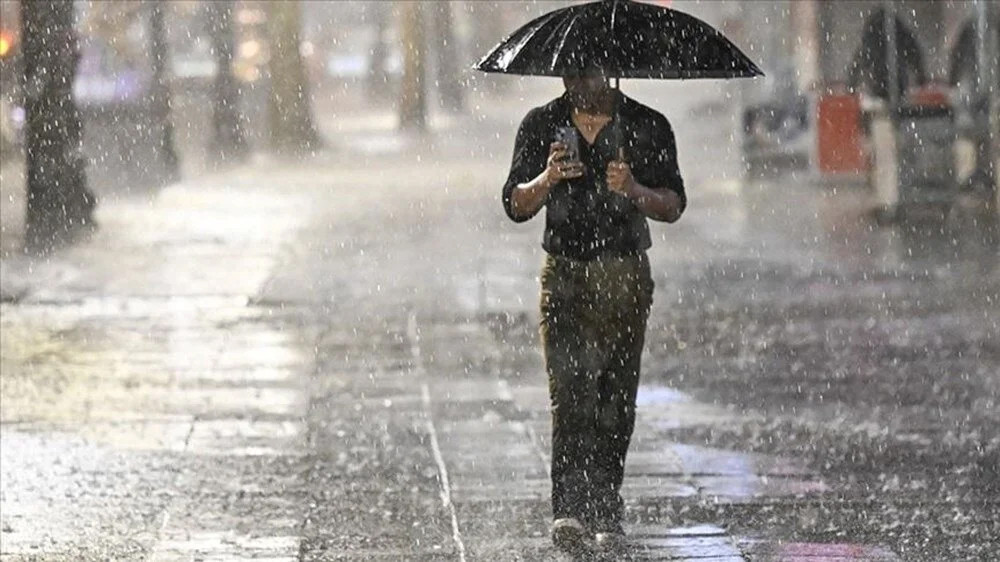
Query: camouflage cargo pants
(593, 327)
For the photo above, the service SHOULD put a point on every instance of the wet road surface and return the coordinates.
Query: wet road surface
(338, 361)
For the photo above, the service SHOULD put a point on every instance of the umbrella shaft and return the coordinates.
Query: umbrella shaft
(617, 130)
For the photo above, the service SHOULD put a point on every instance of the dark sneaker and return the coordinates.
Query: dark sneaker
(570, 536)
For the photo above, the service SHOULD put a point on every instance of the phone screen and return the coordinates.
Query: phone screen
(568, 136)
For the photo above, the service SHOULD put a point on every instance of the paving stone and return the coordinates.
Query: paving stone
(691, 547)
(489, 521)
(254, 357)
(818, 552)
(680, 415)
(515, 549)
(512, 455)
(657, 487)
(735, 486)
(663, 555)
(169, 433)
(747, 487)
(235, 401)
(688, 531)
(466, 489)
(708, 461)
(209, 544)
(661, 462)
(246, 437)
(245, 376)
(362, 554)
(486, 410)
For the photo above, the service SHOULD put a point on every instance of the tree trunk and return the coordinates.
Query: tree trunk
(59, 203)
(377, 83)
(228, 135)
(160, 97)
(292, 129)
(993, 81)
(449, 78)
(489, 26)
(413, 90)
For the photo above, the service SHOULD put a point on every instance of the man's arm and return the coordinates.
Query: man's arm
(527, 198)
(660, 196)
(527, 164)
(661, 204)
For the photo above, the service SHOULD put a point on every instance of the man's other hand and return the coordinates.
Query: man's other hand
(620, 178)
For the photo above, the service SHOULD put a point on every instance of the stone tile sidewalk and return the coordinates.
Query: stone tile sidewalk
(148, 409)
(152, 409)
(336, 361)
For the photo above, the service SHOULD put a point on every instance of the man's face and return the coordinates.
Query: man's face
(586, 90)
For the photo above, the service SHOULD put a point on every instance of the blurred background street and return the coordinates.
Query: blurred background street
(319, 342)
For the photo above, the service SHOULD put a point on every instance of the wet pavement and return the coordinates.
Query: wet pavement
(338, 360)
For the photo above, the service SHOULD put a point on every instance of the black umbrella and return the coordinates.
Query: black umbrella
(621, 39)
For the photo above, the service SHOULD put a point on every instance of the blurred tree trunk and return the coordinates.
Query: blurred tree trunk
(377, 80)
(292, 128)
(160, 96)
(228, 135)
(413, 89)
(449, 78)
(490, 24)
(993, 81)
(59, 203)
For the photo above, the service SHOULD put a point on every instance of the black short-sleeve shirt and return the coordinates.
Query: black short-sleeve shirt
(583, 219)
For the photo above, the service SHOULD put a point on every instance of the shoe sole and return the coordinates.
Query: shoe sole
(571, 540)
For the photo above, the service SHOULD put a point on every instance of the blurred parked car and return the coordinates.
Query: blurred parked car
(777, 131)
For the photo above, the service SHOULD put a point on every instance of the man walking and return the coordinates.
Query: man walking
(596, 284)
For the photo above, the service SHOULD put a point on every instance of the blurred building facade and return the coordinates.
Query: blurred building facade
(810, 50)
(814, 41)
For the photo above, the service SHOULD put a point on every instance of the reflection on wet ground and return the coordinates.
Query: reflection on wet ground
(137, 397)
(867, 352)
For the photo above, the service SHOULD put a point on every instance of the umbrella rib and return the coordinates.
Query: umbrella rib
(528, 36)
(562, 40)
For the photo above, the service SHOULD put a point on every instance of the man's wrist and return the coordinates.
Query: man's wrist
(635, 191)
(547, 182)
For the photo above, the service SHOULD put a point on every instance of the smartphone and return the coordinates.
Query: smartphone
(568, 136)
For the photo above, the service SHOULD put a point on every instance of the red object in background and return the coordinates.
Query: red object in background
(932, 94)
(839, 135)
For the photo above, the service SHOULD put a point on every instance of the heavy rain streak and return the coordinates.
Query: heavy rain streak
(500, 280)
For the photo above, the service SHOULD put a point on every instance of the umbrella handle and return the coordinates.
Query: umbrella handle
(618, 132)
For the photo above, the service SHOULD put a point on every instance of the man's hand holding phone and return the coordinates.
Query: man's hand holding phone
(559, 166)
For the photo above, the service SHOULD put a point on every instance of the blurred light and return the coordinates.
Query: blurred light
(249, 49)
(246, 72)
(307, 49)
(5, 44)
(250, 17)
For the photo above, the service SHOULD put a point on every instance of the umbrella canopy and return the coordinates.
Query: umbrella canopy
(620, 38)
